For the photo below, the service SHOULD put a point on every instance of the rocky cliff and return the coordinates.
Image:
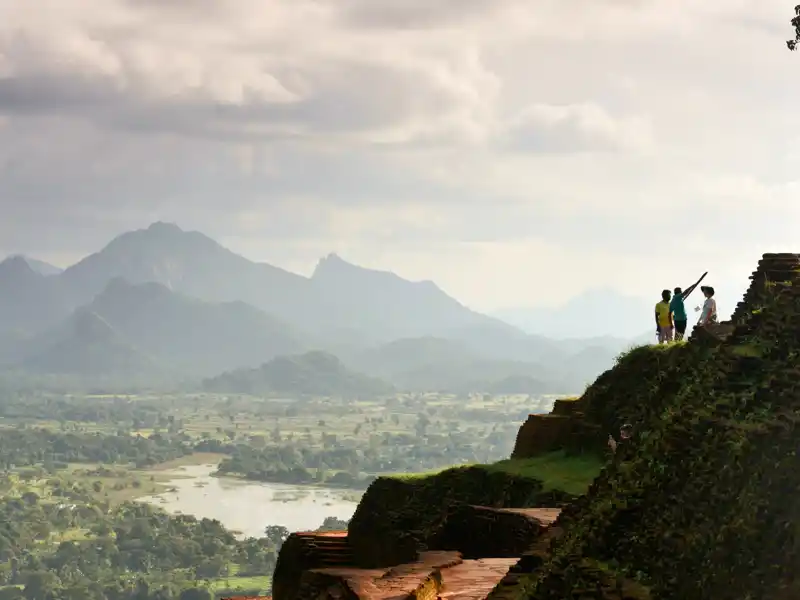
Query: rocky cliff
(700, 505)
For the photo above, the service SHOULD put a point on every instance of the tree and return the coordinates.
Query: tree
(793, 44)
(11, 593)
(333, 524)
(40, 585)
(211, 568)
(30, 498)
(276, 534)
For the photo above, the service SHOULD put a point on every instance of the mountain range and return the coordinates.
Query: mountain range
(163, 300)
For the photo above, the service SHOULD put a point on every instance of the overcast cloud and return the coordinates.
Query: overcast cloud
(494, 146)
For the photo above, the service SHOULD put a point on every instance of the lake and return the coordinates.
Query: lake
(247, 506)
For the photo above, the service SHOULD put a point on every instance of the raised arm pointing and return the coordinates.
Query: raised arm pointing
(691, 288)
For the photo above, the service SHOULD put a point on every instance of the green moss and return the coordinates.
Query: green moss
(640, 386)
(747, 350)
(554, 471)
(235, 583)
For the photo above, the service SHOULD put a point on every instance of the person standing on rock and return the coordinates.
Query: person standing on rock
(664, 323)
(678, 310)
(709, 314)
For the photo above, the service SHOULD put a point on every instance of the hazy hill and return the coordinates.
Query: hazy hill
(29, 301)
(184, 334)
(430, 363)
(341, 308)
(339, 300)
(410, 354)
(91, 347)
(190, 263)
(313, 373)
(39, 266)
(385, 306)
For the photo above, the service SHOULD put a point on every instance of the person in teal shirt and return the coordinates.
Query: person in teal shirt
(678, 311)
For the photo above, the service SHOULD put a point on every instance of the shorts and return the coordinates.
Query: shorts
(665, 334)
(680, 327)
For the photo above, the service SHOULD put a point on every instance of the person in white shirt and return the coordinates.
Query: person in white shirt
(709, 314)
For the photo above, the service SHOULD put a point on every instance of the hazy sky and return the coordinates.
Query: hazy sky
(497, 147)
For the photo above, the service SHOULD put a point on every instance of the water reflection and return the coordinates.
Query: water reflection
(248, 507)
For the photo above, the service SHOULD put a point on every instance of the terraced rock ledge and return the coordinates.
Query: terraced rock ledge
(452, 534)
(702, 505)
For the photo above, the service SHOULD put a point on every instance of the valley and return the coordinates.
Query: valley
(170, 411)
(401, 300)
(234, 473)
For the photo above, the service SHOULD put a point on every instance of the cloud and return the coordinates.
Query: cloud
(578, 127)
(236, 72)
(588, 137)
(419, 14)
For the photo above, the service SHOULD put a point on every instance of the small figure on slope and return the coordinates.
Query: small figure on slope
(625, 433)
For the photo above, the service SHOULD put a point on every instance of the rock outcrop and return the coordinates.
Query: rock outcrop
(400, 517)
(701, 505)
(480, 532)
(306, 551)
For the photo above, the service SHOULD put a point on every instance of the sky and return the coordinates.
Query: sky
(517, 153)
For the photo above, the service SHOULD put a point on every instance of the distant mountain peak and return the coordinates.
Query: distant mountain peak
(16, 266)
(162, 227)
(16, 261)
(333, 265)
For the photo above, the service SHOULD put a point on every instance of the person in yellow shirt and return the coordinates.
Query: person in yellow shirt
(665, 327)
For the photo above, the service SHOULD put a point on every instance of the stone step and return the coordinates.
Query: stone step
(473, 579)
(420, 580)
(307, 550)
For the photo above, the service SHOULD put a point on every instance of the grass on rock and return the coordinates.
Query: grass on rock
(556, 471)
